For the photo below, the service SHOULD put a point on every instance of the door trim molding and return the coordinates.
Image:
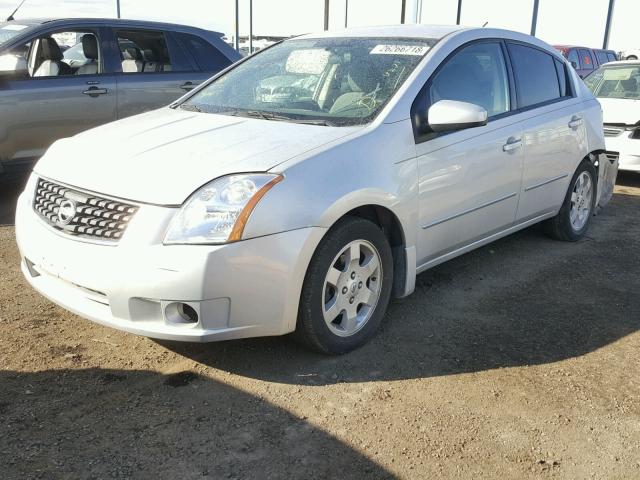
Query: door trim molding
(546, 182)
(482, 242)
(471, 210)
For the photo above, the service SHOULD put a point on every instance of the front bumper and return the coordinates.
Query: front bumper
(244, 289)
(629, 149)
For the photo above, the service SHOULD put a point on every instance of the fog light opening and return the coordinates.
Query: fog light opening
(179, 312)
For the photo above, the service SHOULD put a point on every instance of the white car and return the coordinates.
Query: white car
(306, 185)
(630, 54)
(617, 87)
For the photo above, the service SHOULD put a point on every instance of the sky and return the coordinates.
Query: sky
(559, 21)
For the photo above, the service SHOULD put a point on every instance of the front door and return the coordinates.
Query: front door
(56, 97)
(469, 180)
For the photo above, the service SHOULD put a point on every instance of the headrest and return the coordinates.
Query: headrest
(132, 54)
(90, 46)
(51, 50)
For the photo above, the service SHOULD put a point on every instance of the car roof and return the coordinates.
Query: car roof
(105, 21)
(391, 31)
(586, 48)
(621, 63)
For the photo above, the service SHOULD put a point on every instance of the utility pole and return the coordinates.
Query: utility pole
(459, 14)
(250, 27)
(417, 12)
(403, 11)
(118, 7)
(236, 41)
(607, 28)
(534, 17)
(346, 12)
(326, 14)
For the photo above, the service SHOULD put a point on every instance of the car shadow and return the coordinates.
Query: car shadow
(10, 189)
(628, 179)
(97, 423)
(523, 300)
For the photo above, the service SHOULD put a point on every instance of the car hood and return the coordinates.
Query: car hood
(162, 157)
(620, 110)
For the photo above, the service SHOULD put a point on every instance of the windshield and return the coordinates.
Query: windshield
(8, 30)
(329, 81)
(615, 82)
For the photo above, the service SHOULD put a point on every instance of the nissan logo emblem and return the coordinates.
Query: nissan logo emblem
(66, 212)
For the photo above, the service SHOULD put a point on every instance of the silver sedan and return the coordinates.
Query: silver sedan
(305, 186)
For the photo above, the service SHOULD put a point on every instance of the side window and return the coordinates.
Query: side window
(601, 56)
(563, 79)
(208, 57)
(144, 51)
(573, 58)
(60, 54)
(476, 74)
(611, 57)
(586, 62)
(536, 75)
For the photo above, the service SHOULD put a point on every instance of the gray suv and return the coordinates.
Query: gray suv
(60, 77)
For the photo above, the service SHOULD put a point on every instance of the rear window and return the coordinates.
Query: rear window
(602, 57)
(573, 57)
(536, 75)
(586, 62)
(207, 57)
(563, 79)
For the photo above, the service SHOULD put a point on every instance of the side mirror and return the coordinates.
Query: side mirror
(574, 65)
(448, 115)
(13, 65)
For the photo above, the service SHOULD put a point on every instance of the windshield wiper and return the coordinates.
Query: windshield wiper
(274, 116)
(190, 108)
(319, 121)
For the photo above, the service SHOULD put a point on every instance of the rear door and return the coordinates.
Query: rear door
(48, 104)
(154, 70)
(204, 55)
(554, 132)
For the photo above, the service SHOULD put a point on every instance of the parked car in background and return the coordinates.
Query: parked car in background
(630, 54)
(586, 60)
(60, 77)
(617, 87)
(312, 181)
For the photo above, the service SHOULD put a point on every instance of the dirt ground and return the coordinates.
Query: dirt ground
(519, 360)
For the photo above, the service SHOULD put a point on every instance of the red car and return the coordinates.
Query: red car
(586, 60)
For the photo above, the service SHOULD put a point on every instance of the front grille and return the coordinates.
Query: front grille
(82, 214)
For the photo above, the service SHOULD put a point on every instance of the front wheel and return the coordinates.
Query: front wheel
(572, 221)
(347, 287)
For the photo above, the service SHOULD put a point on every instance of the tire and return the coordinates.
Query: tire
(345, 293)
(631, 57)
(572, 221)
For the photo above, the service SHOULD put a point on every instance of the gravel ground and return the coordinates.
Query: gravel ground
(519, 360)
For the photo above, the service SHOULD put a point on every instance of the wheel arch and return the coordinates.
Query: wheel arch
(391, 225)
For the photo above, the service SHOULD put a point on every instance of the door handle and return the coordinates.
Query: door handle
(512, 144)
(188, 86)
(95, 91)
(575, 122)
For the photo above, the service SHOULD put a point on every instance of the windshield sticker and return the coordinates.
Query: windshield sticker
(15, 28)
(417, 50)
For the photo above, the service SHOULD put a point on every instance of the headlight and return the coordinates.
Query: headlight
(218, 212)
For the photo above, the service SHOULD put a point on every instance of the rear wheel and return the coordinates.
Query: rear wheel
(572, 221)
(347, 287)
